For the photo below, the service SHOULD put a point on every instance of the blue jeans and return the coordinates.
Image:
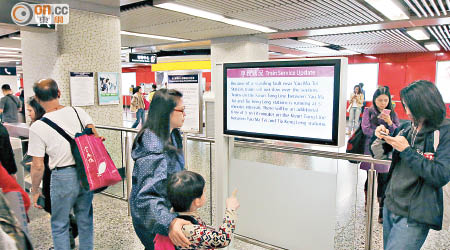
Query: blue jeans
(398, 233)
(66, 193)
(140, 115)
(353, 117)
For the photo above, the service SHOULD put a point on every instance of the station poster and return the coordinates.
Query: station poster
(108, 88)
(82, 86)
(188, 83)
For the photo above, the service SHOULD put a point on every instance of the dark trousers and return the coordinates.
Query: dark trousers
(382, 179)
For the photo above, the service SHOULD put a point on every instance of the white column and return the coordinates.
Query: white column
(228, 50)
(90, 42)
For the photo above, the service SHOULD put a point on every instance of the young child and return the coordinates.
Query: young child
(186, 193)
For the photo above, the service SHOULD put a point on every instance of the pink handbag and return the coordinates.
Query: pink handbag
(163, 243)
(100, 169)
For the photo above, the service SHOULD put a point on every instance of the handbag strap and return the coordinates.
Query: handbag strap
(58, 129)
(81, 124)
(436, 139)
(12, 98)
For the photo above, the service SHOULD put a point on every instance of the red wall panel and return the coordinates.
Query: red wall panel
(144, 74)
(425, 70)
(207, 76)
(399, 70)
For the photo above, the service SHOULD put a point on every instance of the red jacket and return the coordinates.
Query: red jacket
(9, 184)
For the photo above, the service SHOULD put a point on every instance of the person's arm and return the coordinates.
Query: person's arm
(87, 121)
(395, 123)
(2, 104)
(19, 104)
(37, 171)
(36, 149)
(6, 152)
(92, 126)
(204, 237)
(366, 125)
(435, 172)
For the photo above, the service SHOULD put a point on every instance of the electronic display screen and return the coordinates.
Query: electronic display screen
(283, 100)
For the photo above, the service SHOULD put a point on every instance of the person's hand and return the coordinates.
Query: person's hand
(386, 118)
(232, 201)
(35, 197)
(101, 138)
(381, 132)
(176, 235)
(399, 143)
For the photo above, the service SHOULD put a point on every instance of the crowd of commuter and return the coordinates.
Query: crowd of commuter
(165, 197)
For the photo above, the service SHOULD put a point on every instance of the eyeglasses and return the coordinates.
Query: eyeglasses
(180, 110)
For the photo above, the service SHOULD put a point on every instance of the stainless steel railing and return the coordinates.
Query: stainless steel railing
(272, 147)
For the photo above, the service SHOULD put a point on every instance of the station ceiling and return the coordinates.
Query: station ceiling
(343, 25)
(350, 24)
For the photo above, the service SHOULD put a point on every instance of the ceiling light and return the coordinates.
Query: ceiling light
(8, 55)
(372, 57)
(432, 46)
(152, 36)
(9, 60)
(392, 9)
(213, 16)
(349, 52)
(310, 41)
(247, 25)
(9, 52)
(292, 55)
(191, 11)
(320, 50)
(8, 48)
(418, 33)
(15, 37)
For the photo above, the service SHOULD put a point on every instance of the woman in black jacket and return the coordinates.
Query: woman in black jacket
(419, 168)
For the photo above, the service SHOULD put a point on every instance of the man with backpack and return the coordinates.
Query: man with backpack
(66, 192)
(9, 105)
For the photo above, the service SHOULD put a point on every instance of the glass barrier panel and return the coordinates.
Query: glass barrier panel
(294, 194)
(115, 144)
(199, 160)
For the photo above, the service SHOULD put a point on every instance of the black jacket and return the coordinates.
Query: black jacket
(426, 204)
(6, 152)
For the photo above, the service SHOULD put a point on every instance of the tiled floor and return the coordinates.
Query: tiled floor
(114, 230)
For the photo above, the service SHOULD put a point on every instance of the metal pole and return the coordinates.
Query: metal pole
(128, 169)
(370, 199)
(210, 184)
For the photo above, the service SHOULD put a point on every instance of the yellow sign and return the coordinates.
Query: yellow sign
(181, 65)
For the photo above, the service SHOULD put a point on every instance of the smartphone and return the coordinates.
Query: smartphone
(384, 133)
(386, 111)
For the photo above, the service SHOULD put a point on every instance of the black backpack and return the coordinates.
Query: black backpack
(356, 143)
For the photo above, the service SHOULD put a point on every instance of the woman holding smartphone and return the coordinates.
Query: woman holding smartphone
(379, 114)
(356, 102)
(420, 168)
